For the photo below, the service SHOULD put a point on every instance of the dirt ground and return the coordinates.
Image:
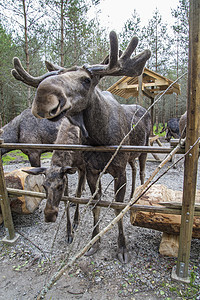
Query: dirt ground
(41, 248)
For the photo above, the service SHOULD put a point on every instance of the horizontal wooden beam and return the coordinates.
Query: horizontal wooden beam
(114, 205)
(124, 148)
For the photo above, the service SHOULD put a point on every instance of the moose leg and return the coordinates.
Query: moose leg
(142, 162)
(70, 235)
(80, 187)
(69, 225)
(92, 180)
(76, 217)
(134, 170)
(34, 159)
(120, 189)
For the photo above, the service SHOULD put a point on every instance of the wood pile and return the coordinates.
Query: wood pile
(169, 224)
(21, 180)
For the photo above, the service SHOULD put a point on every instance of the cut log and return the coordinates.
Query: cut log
(169, 245)
(21, 180)
(159, 221)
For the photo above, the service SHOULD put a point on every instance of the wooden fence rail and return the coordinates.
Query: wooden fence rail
(50, 147)
(4, 192)
(175, 210)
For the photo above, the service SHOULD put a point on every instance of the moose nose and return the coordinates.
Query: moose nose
(41, 115)
(53, 112)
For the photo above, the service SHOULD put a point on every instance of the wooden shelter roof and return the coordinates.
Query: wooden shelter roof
(152, 84)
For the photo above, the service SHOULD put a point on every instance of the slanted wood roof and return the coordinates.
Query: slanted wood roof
(152, 84)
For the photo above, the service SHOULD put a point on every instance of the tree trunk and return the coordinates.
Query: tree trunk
(2, 106)
(62, 34)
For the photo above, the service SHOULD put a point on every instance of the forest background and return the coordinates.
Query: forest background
(62, 32)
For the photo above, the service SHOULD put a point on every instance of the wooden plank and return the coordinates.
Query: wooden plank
(118, 205)
(178, 205)
(5, 207)
(140, 93)
(123, 148)
(193, 132)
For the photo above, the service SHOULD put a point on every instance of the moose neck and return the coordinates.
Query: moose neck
(104, 119)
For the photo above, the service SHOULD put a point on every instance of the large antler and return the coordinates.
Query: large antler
(124, 65)
(20, 73)
(112, 66)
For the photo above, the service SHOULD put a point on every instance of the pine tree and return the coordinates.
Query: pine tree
(131, 28)
(155, 36)
(181, 34)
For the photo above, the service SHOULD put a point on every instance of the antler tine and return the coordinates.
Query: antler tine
(113, 50)
(16, 75)
(131, 47)
(20, 74)
(51, 67)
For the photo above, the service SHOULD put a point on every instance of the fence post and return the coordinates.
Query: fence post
(192, 134)
(10, 237)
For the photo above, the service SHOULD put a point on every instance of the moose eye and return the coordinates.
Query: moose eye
(86, 82)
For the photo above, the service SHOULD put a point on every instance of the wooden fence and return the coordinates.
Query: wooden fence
(180, 272)
(5, 192)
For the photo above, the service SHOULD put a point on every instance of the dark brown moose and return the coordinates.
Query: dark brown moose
(56, 176)
(73, 92)
(27, 129)
(172, 129)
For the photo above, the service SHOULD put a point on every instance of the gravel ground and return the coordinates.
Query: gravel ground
(29, 264)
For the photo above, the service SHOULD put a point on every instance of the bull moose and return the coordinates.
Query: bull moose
(74, 92)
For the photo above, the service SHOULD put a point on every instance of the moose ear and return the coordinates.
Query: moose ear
(36, 171)
(68, 170)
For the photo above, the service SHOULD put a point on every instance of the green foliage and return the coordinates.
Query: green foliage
(19, 155)
(46, 155)
(181, 32)
(8, 107)
(13, 155)
(58, 29)
(160, 127)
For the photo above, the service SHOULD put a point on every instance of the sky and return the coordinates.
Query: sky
(114, 13)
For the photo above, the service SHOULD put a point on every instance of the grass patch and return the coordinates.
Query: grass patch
(46, 155)
(7, 158)
(13, 155)
(19, 155)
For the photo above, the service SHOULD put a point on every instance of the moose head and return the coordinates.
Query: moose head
(61, 90)
(54, 184)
